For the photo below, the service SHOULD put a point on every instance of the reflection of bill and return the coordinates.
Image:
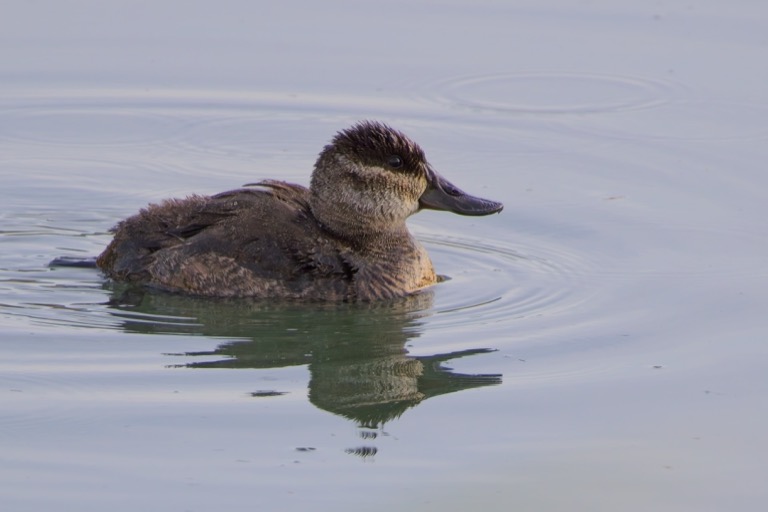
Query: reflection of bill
(356, 353)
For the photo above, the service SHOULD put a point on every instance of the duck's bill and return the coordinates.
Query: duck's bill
(441, 194)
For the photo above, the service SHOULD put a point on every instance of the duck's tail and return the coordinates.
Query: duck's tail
(72, 261)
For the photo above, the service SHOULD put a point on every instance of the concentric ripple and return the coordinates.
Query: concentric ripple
(488, 283)
(550, 92)
(492, 282)
(687, 120)
(88, 125)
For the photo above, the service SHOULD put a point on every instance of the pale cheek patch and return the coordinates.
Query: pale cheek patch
(384, 193)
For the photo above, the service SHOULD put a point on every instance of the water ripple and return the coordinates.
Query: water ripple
(88, 125)
(495, 282)
(687, 120)
(552, 92)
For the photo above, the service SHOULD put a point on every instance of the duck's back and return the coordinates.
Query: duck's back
(244, 243)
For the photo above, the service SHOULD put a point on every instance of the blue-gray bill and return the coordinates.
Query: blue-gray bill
(441, 194)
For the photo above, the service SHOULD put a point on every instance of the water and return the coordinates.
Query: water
(599, 346)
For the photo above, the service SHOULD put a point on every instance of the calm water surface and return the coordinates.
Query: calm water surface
(599, 346)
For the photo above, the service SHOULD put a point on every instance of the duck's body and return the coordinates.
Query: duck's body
(259, 243)
(344, 238)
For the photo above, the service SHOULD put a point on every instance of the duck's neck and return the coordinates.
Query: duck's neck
(367, 237)
(391, 266)
(359, 227)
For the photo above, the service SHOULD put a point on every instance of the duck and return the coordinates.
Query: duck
(342, 239)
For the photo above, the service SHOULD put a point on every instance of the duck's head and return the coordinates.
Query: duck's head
(370, 178)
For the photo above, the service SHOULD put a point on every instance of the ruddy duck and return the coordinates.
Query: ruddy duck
(342, 239)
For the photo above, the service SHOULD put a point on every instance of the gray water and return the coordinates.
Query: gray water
(601, 344)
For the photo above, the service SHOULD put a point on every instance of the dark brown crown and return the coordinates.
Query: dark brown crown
(372, 142)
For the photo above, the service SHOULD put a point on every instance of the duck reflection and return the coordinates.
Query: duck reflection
(356, 353)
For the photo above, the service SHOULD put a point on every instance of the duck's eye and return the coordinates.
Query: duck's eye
(395, 161)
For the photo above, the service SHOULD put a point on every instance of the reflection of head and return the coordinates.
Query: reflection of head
(369, 391)
(373, 391)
